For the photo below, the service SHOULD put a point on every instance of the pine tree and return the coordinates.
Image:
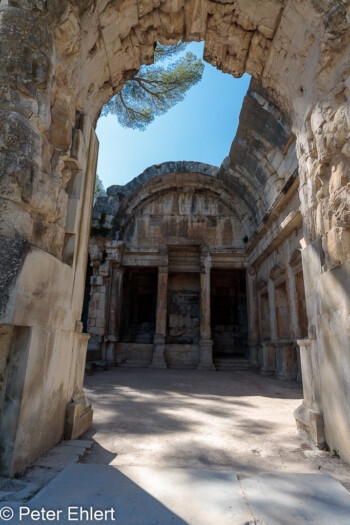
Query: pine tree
(156, 88)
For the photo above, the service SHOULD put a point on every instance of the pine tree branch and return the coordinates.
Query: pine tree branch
(157, 88)
(128, 109)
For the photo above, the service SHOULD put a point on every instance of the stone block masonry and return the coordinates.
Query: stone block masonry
(59, 63)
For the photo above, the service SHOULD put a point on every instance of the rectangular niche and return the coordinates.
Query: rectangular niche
(282, 311)
(301, 305)
(139, 302)
(265, 324)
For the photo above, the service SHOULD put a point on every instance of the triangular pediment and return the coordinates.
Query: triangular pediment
(295, 258)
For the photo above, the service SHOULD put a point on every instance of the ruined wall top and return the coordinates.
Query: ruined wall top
(179, 166)
(105, 208)
(262, 157)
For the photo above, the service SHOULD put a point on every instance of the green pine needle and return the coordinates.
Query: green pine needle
(156, 88)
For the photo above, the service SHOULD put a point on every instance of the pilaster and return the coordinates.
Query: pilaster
(308, 415)
(158, 360)
(206, 343)
(253, 330)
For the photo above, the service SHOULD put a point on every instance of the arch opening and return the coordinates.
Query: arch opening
(77, 57)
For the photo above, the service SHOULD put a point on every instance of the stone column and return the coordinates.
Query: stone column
(272, 305)
(206, 343)
(114, 312)
(291, 290)
(161, 318)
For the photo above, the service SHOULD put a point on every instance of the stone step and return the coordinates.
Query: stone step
(230, 363)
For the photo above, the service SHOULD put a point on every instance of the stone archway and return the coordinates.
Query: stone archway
(60, 62)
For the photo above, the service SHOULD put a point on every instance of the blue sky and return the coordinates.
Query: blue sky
(200, 128)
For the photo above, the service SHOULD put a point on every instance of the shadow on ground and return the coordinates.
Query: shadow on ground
(189, 418)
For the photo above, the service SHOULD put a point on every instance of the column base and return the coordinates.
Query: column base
(311, 422)
(253, 354)
(206, 366)
(286, 361)
(158, 365)
(110, 346)
(268, 359)
(78, 418)
(268, 373)
(206, 355)
(158, 360)
(285, 376)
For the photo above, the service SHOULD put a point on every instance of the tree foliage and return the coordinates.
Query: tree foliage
(156, 88)
(99, 188)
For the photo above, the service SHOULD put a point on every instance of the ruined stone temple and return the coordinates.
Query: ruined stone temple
(242, 265)
(186, 255)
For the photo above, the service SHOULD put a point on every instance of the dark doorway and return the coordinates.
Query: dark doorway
(301, 306)
(229, 316)
(139, 302)
(183, 308)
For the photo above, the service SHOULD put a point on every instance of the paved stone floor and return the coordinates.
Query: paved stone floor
(183, 496)
(234, 420)
(189, 448)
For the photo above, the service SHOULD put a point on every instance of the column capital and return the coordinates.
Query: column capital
(205, 262)
(114, 256)
(117, 265)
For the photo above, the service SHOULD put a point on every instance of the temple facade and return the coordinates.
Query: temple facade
(192, 267)
(177, 281)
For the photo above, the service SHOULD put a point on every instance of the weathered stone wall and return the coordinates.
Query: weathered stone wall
(43, 295)
(262, 159)
(188, 215)
(278, 317)
(81, 53)
(60, 61)
(163, 220)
